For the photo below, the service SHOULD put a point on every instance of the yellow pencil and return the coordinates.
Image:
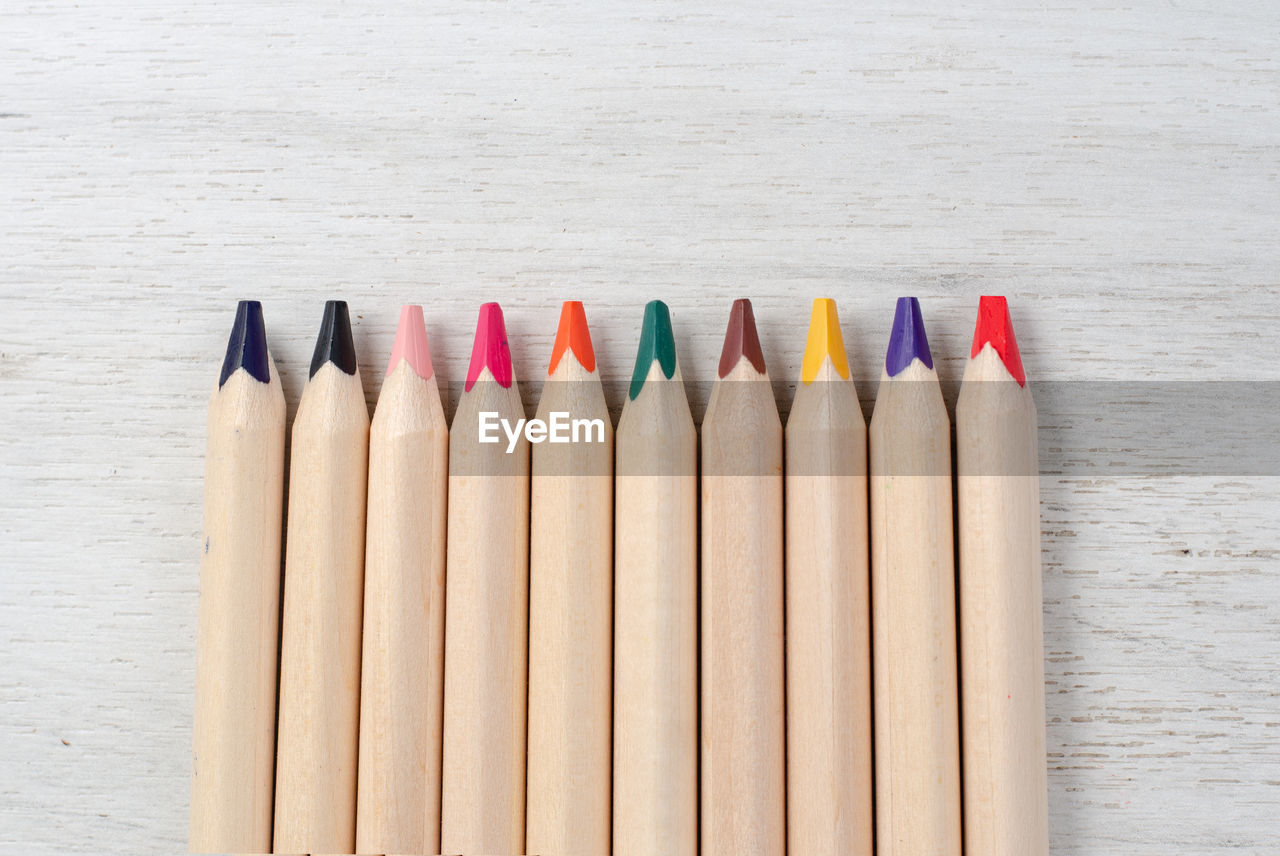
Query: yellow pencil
(829, 786)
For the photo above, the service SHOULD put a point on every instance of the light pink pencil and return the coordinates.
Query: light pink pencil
(402, 668)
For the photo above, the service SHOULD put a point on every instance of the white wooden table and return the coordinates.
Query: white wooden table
(1113, 169)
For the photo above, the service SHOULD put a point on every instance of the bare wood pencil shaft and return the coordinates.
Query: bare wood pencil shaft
(402, 664)
(235, 707)
(1001, 632)
(315, 809)
(743, 724)
(571, 625)
(829, 741)
(486, 631)
(655, 744)
(917, 760)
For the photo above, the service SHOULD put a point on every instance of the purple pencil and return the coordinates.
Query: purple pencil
(917, 735)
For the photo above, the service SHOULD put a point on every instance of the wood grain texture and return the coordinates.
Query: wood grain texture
(233, 760)
(655, 673)
(828, 622)
(318, 735)
(486, 626)
(913, 619)
(1113, 168)
(402, 657)
(742, 717)
(571, 625)
(1001, 624)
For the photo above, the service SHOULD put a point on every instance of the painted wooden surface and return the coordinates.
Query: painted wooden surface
(1114, 169)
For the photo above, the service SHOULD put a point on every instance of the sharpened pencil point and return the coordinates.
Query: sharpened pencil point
(573, 335)
(824, 341)
(907, 342)
(247, 347)
(995, 328)
(411, 344)
(334, 344)
(490, 350)
(741, 339)
(657, 343)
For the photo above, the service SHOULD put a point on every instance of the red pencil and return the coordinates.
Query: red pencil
(1001, 626)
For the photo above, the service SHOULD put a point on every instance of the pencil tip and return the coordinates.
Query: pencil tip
(907, 342)
(825, 341)
(490, 350)
(995, 328)
(334, 344)
(247, 347)
(411, 344)
(657, 343)
(741, 339)
(573, 335)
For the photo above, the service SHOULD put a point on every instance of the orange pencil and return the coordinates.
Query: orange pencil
(571, 604)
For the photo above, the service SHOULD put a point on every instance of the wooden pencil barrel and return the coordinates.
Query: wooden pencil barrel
(571, 624)
(655, 740)
(829, 741)
(1001, 623)
(486, 631)
(402, 662)
(917, 737)
(234, 731)
(315, 809)
(743, 724)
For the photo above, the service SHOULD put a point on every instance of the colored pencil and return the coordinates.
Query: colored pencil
(1001, 626)
(655, 656)
(829, 785)
(234, 733)
(315, 809)
(486, 610)
(917, 737)
(402, 664)
(743, 723)
(571, 607)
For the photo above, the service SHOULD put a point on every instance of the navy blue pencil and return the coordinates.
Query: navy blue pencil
(235, 707)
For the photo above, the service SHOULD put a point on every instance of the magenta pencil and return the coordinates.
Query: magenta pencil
(486, 609)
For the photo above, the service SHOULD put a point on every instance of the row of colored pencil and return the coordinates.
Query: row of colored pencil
(486, 648)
